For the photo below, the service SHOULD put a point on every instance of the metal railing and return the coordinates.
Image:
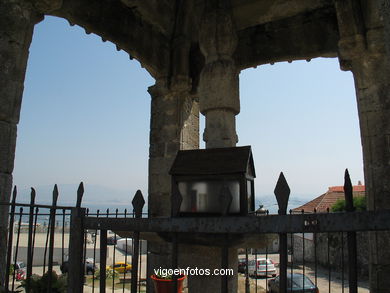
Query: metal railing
(83, 243)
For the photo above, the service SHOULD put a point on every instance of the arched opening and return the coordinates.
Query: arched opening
(85, 117)
(300, 118)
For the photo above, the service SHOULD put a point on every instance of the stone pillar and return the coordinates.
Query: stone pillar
(174, 126)
(219, 102)
(17, 21)
(218, 87)
(365, 52)
(372, 81)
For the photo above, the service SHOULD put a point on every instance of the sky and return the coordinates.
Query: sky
(86, 110)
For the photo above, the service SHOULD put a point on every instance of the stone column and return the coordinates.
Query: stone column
(174, 126)
(372, 77)
(17, 21)
(219, 102)
(218, 87)
(364, 49)
(372, 81)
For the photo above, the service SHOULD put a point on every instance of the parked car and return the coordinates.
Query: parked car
(121, 267)
(89, 267)
(261, 267)
(20, 275)
(20, 270)
(20, 266)
(296, 283)
(241, 265)
(112, 240)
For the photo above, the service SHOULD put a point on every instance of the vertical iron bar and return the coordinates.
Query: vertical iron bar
(329, 269)
(76, 239)
(46, 245)
(124, 275)
(134, 263)
(94, 255)
(292, 261)
(352, 261)
(266, 268)
(35, 231)
(63, 236)
(174, 262)
(30, 235)
(303, 257)
(29, 241)
(10, 238)
(283, 261)
(255, 270)
(51, 243)
(315, 254)
(138, 203)
(351, 236)
(85, 248)
(103, 260)
(247, 286)
(342, 262)
(140, 266)
(113, 269)
(17, 247)
(282, 193)
(113, 255)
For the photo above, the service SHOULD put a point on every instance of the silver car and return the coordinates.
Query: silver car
(261, 267)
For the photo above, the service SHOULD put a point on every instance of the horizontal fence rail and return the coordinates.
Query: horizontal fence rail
(327, 222)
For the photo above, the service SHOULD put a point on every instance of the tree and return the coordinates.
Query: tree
(358, 202)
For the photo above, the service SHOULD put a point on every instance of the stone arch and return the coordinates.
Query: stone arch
(115, 22)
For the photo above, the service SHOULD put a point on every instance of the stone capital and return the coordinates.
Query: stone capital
(179, 85)
(358, 48)
(160, 88)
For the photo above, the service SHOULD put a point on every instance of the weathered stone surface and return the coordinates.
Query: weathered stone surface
(174, 126)
(218, 85)
(220, 129)
(5, 192)
(7, 147)
(17, 19)
(16, 27)
(46, 6)
(370, 67)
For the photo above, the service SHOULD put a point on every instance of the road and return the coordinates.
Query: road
(323, 283)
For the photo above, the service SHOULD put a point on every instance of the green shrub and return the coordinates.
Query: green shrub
(39, 284)
(110, 273)
(358, 202)
(11, 270)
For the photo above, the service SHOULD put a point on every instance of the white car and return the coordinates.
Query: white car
(261, 267)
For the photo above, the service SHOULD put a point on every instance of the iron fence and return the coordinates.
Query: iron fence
(77, 241)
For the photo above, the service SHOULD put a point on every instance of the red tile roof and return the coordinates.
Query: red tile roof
(357, 188)
(328, 199)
